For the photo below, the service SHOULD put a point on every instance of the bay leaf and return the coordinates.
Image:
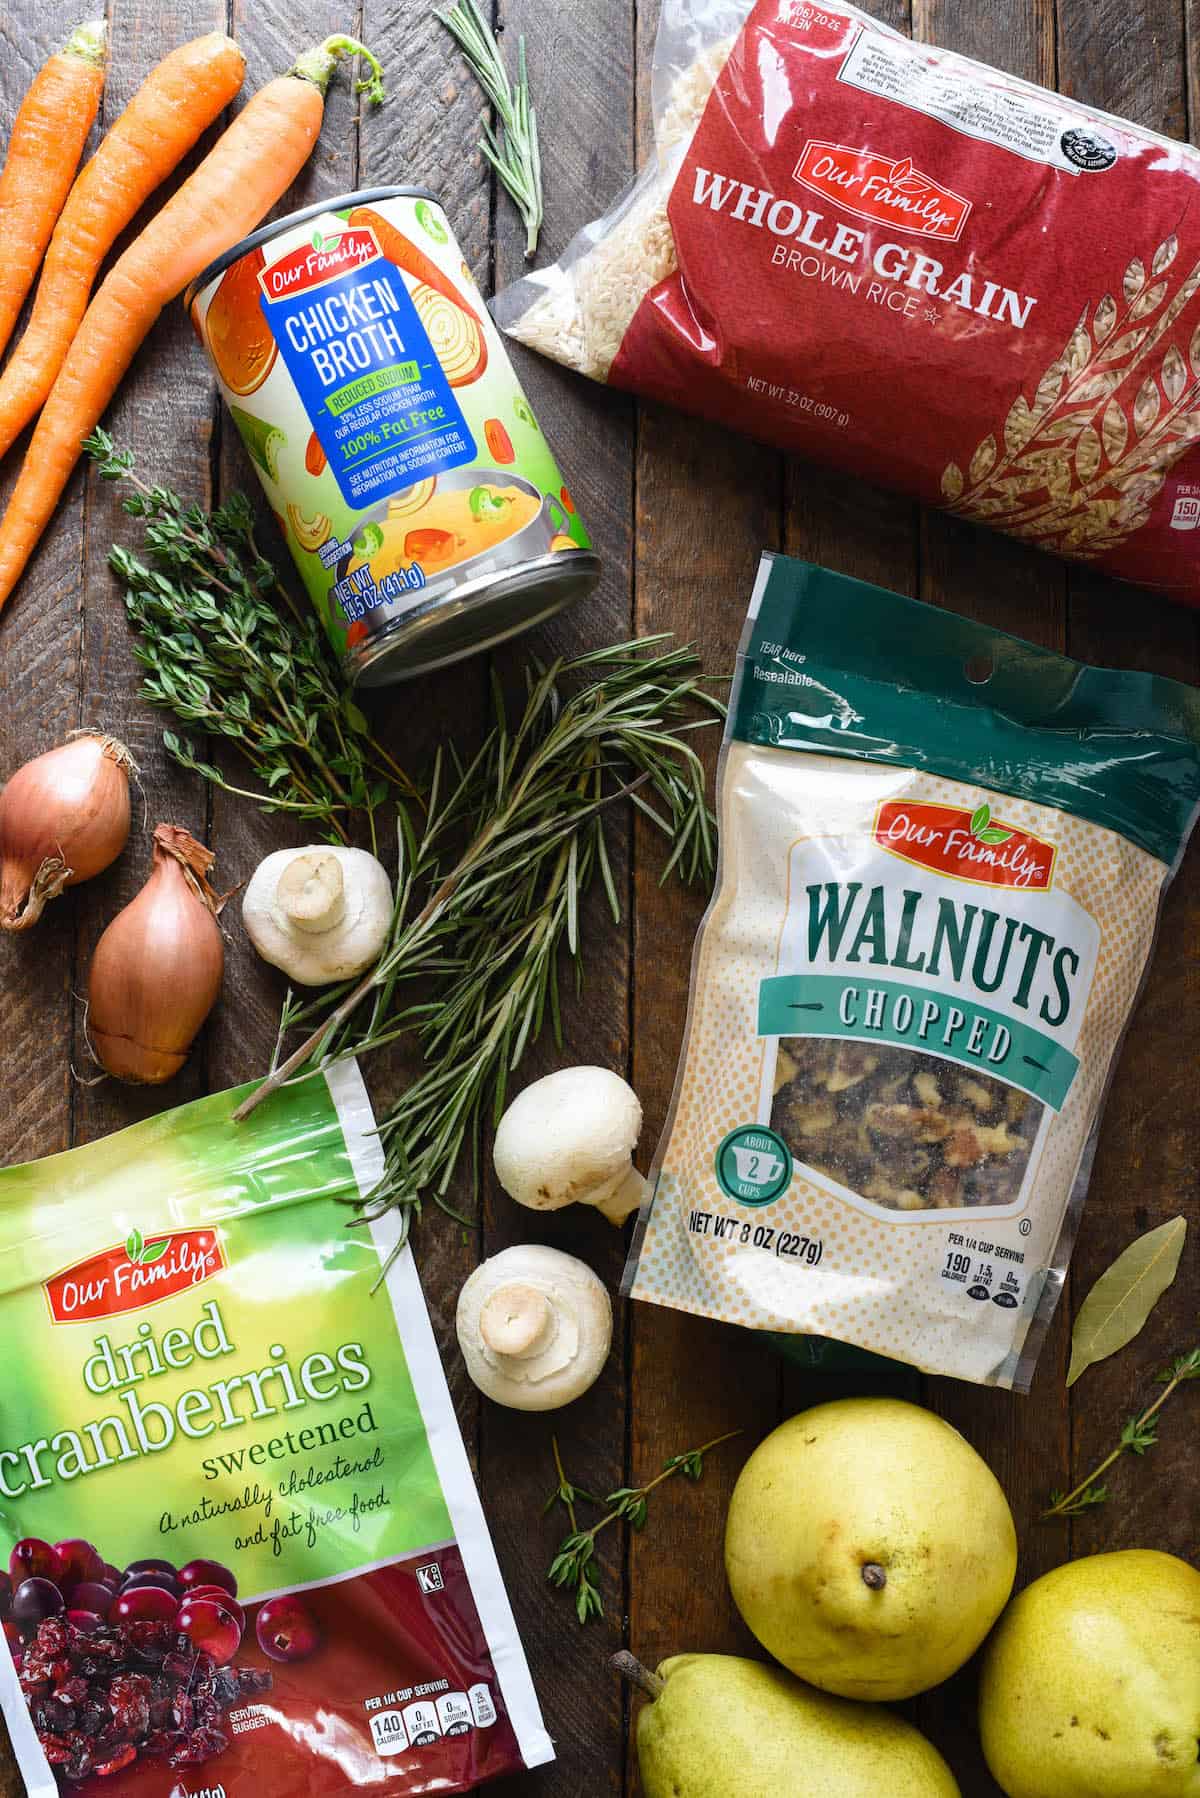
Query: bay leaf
(1116, 1308)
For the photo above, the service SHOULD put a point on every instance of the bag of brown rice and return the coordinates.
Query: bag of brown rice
(943, 853)
(848, 243)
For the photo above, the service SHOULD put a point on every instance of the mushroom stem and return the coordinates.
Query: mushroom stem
(516, 1320)
(874, 1576)
(631, 1669)
(626, 1199)
(311, 892)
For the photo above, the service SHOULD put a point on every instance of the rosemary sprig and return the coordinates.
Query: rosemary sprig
(490, 887)
(1138, 1436)
(512, 148)
(572, 1566)
(225, 650)
(493, 863)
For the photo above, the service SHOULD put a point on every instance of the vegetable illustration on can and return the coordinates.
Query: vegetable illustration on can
(419, 498)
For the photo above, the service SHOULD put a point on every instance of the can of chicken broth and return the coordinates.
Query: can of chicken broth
(403, 462)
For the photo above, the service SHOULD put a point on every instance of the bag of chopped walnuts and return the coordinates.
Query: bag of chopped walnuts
(943, 852)
(901, 263)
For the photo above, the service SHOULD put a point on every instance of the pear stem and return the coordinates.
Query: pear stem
(874, 1576)
(631, 1669)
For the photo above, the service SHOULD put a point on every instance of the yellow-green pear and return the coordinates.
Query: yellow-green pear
(869, 1548)
(1091, 1683)
(723, 1727)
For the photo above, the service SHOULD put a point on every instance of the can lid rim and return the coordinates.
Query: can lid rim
(266, 232)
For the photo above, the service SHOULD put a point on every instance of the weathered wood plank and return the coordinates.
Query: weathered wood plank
(581, 85)
(39, 705)
(875, 536)
(40, 638)
(707, 505)
(163, 412)
(1146, 1167)
(1013, 587)
(241, 1036)
(692, 1379)
(419, 135)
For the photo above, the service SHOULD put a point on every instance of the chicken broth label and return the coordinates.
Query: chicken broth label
(266, 1530)
(910, 985)
(379, 401)
(372, 391)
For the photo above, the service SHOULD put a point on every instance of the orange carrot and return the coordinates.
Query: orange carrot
(48, 135)
(236, 185)
(178, 101)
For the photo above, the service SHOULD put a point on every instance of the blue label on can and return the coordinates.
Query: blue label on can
(378, 398)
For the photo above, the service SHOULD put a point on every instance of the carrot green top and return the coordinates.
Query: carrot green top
(317, 65)
(88, 41)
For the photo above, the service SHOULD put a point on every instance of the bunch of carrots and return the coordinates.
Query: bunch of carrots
(76, 347)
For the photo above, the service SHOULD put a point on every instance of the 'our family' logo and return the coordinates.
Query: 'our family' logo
(968, 845)
(139, 1271)
(323, 258)
(886, 189)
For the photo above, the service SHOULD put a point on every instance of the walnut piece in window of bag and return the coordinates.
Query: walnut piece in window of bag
(908, 1131)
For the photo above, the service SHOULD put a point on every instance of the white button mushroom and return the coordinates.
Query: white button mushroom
(534, 1326)
(320, 914)
(569, 1140)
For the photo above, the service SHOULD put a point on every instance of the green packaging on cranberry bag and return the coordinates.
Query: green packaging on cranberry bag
(246, 1551)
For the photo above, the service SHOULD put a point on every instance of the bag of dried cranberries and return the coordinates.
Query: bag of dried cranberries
(943, 853)
(245, 1549)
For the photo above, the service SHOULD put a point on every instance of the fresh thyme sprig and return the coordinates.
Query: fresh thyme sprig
(512, 149)
(490, 887)
(572, 1566)
(225, 650)
(1138, 1436)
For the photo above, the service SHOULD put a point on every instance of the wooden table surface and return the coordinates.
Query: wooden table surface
(680, 515)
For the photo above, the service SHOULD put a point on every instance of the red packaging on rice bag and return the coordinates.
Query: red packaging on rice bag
(903, 264)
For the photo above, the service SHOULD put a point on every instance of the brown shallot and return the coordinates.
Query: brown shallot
(158, 967)
(63, 818)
